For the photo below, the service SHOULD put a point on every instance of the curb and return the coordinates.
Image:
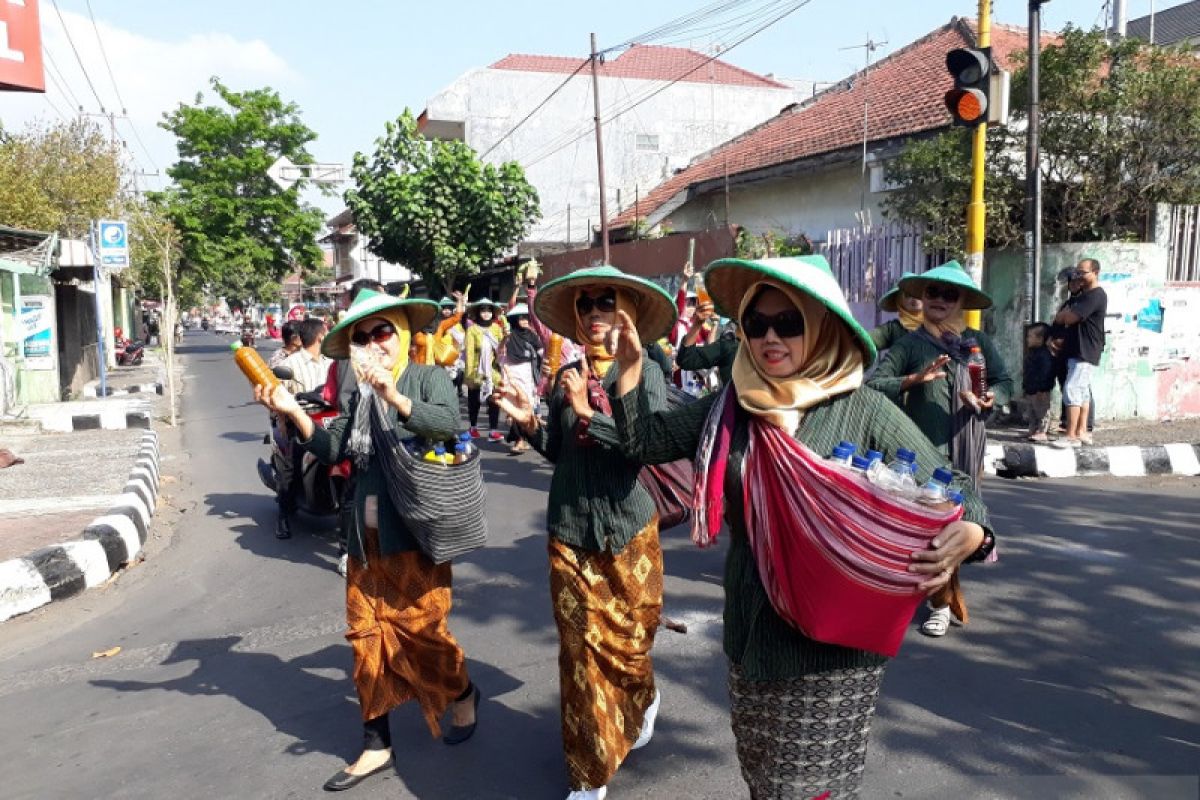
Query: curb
(93, 390)
(1125, 461)
(90, 415)
(107, 544)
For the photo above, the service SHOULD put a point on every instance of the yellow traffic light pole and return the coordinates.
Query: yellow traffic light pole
(976, 216)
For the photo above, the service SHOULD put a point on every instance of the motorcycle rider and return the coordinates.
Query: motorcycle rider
(309, 370)
(291, 344)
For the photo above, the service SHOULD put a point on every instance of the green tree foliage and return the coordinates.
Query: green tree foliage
(240, 233)
(58, 177)
(1120, 132)
(434, 207)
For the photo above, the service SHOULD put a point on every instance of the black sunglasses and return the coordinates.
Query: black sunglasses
(947, 293)
(786, 324)
(605, 303)
(379, 334)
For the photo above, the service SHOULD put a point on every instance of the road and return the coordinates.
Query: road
(1079, 675)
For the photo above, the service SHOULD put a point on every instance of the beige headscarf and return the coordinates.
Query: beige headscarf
(833, 364)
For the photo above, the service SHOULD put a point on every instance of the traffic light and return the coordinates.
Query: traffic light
(972, 73)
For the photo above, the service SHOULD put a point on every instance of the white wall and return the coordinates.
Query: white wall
(688, 118)
(810, 204)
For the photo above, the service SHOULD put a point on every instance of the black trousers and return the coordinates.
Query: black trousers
(287, 477)
(473, 406)
(377, 734)
(346, 511)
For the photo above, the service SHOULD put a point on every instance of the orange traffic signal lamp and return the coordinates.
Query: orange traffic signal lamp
(971, 70)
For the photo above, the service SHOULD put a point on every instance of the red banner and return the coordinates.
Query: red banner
(21, 47)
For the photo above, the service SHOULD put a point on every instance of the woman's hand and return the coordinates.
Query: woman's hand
(574, 387)
(512, 400)
(629, 354)
(946, 552)
(380, 380)
(278, 399)
(931, 373)
(980, 404)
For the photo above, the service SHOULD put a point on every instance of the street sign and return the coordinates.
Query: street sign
(20, 47)
(114, 244)
(287, 174)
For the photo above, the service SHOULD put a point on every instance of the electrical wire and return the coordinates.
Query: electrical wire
(60, 81)
(50, 103)
(79, 60)
(536, 108)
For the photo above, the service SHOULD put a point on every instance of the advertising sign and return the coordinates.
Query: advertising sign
(114, 244)
(21, 47)
(35, 329)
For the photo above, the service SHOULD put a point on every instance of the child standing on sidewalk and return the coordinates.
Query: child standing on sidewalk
(1037, 379)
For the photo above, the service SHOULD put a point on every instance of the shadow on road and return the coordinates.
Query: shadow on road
(314, 539)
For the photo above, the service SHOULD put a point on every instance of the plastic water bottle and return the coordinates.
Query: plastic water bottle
(859, 465)
(460, 452)
(874, 464)
(851, 446)
(842, 454)
(898, 478)
(954, 496)
(438, 454)
(937, 488)
(464, 441)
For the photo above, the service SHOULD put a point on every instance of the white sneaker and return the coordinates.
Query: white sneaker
(938, 622)
(648, 722)
(589, 794)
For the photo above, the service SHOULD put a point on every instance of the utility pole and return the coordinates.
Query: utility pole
(976, 211)
(600, 153)
(1119, 18)
(1033, 172)
(870, 46)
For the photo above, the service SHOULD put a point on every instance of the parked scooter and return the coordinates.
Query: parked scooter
(127, 352)
(321, 484)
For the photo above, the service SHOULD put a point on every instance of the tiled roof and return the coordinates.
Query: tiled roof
(1171, 25)
(906, 97)
(648, 62)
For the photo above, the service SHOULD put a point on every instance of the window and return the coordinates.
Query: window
(646, 142)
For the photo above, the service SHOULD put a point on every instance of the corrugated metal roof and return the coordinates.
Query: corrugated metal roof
(1179, 23)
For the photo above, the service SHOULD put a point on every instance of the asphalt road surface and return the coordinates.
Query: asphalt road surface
(1079, 675)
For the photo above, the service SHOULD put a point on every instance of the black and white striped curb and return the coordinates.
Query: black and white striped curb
(90, 415)
(1127, 461)
(107, 544)
(93, 390)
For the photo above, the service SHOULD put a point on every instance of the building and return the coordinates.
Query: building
(662, 106)
(820, 165)
(1178, 26)
(28, 339)
(351, 260)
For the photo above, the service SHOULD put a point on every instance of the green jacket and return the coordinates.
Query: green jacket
(756, 638)
(719, 354)
(596, 502)
(888, 334)
(434, 417)
(930, 404)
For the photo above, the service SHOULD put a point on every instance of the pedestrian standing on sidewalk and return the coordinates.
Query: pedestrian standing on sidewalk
(1037, 380)
(483, 366)
(908, 319)
(926, 373)
(1083, 317)
(397, 600)
(606, 578)
(801, 708)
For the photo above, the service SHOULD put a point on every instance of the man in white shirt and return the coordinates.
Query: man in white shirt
(309, 371)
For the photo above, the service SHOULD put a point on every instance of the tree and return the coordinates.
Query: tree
(240, 233)
(1120, 132)
(58, 177)
(434, 207)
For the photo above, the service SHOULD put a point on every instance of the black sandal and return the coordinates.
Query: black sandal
(344, 780)
(460, 733)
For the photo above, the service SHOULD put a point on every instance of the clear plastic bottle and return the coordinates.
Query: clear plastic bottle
(464, 439)
(937, 488)
(954, 496)
(842, 454)
(874, 464)
(977, 368)
(438, 454)
(898, 478)
(460, 452)
(253, 367)
(859, 465)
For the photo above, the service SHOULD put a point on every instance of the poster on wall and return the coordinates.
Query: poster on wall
(37, 342)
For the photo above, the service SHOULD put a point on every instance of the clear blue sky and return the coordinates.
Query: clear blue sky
(351, 65)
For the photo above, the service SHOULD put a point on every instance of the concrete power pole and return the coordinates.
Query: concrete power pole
(1119, 17)
(600, 153)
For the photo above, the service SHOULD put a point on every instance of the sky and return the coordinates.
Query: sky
(351, 65)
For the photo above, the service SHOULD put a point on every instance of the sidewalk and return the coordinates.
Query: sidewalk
(80, 506)
(1127, 448)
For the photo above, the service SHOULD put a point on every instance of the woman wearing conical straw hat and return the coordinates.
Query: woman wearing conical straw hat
(397, 599)
(908, 311)
(802, 704)
(606, 580)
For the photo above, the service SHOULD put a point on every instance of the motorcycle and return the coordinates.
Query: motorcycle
(204, 324)
(127, 352)
(247, 336)
(322, 485)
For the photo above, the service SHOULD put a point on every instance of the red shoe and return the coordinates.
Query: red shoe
(474, 433)
(495, 436)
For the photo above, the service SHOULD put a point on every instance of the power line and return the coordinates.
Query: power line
(60, 81)
(137, 136)
(537, 108)
(82, 68)
(796, 6)
(50, 103)
(104, 55)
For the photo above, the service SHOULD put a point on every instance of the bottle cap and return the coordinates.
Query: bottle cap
(465, 436)
(859, 462)
(439, 449)
(842, 452)
(235, 346)
(461, 447)
(874, 455)
(904, 454)
(954, 496)
(843, 443)
(943, 475)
